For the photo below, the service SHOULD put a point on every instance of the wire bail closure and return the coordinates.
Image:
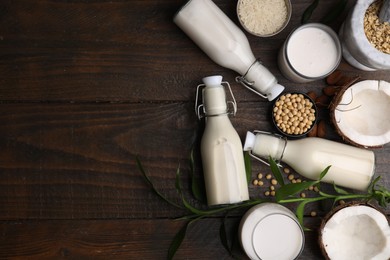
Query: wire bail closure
(271, 134)
(249, 84)
(200, 110)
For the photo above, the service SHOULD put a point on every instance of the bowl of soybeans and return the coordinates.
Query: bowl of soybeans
(294, 114)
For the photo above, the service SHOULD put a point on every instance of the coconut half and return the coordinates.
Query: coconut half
(355, 231)
(361, 112)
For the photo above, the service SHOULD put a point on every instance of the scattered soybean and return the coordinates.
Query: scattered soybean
(294, 114)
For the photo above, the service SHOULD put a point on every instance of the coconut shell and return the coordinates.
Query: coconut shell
(336, 209)
(332, 107)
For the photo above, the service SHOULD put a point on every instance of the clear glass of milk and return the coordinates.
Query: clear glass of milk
(310, 52)
(271, 231)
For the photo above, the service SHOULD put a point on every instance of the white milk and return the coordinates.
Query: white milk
(271, 231)
(225, 43)
(351, 167)
(311, 52)
(221, 149)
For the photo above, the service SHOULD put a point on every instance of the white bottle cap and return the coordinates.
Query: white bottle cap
(212, 80)
(263, 82)
(249, 141)
(274, 91)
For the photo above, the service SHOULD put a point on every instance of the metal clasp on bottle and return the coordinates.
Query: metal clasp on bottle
(249, 84)
(271, 134)
(200, 110)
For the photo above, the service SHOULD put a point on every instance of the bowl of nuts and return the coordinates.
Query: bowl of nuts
(294, 114)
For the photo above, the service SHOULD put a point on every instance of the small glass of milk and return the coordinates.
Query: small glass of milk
(310, 52)
(271, 231)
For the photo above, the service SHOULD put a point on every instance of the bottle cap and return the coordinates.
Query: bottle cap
(249, 141)
(274, 91)
(261, 81)
(264, 145)
(212, 80)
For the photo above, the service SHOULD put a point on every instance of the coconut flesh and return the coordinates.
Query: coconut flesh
(361, 113)
(356, 232)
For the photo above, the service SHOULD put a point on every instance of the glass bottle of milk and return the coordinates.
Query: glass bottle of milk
(351, 167)
(221, 147)
(226, 44)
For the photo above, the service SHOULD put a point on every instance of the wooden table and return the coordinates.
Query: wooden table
(85, 87)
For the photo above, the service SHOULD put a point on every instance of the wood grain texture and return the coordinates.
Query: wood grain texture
(85, 88)
(118, 239)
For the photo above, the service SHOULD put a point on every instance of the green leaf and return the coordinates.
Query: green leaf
(177, 182)
(276, 171)
(197, 184)
(202, 213)
(324, 172)
(177, 240)
(300, 211)
(309, 11)
(371, 187)
(382, 195)
(323, 194)
(292, 189)
(150, 183)
(142, 170)
(334, 12)
(340, 190)
(198, 189)
(248, 166)
(192, 208)
(224, 237)
(385, 197)
(192, 162)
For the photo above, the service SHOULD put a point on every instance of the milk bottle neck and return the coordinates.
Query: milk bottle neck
(214, 98)
(261, 81)
(265, 145)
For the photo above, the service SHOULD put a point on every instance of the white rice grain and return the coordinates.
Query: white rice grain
(262, 17)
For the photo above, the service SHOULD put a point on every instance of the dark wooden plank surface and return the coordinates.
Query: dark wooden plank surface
(117, 239)
(85, 87)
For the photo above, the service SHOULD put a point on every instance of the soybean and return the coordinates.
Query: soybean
(294, 114)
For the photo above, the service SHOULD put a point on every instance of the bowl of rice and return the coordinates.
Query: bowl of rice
(264, 18)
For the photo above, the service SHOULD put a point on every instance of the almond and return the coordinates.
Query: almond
(323, 101)
(321, 129)
(330, 91)
(313, 132)
(338, 78)
(312, 95)
(334, 77)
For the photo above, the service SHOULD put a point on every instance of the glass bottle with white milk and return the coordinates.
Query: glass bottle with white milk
(351, 167)
(221, 147)
(226, 44)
